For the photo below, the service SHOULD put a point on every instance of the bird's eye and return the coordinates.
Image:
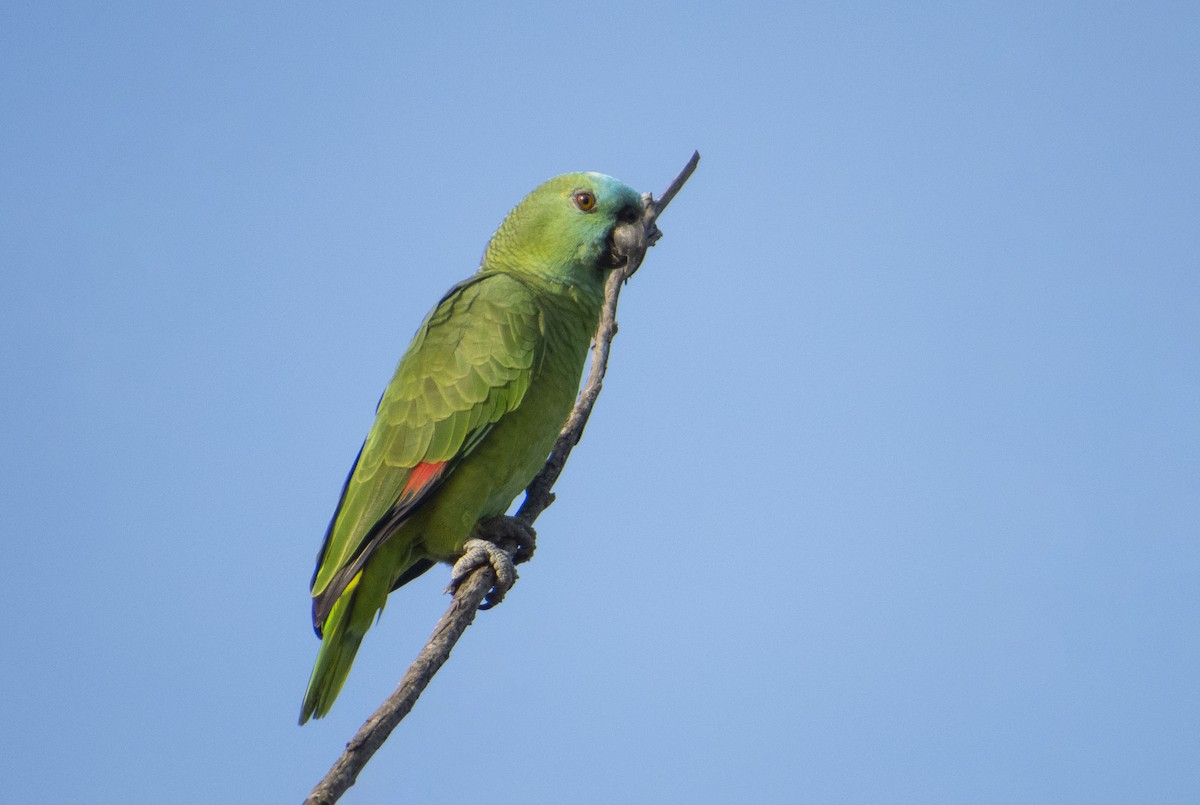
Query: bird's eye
(585, 200)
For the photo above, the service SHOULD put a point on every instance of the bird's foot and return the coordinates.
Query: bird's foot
(500, 542)
(478, 553)
(509, 532)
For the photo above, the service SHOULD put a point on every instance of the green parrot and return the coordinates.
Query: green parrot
(473, 409)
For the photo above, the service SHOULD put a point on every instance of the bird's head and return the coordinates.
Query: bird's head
(571, 229)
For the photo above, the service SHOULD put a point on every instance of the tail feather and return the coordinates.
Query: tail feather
(336, 655)
(350, 618)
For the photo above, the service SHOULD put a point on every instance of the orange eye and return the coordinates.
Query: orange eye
(585, 200)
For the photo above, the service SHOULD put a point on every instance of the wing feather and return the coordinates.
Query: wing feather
(469, 364)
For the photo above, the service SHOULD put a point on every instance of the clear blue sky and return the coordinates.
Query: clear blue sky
(893, 494)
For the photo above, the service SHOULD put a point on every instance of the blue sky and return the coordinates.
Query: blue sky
(891, 495)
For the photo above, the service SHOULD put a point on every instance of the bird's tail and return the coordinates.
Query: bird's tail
(340, 643)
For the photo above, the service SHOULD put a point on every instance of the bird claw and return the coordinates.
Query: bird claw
(478, 553)
(509, 542)
(506, 531)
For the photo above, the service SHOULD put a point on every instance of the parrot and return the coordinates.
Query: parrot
(473, 409)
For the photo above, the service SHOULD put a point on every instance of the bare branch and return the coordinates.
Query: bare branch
(379, 726)
(674, 187)
(538, 497)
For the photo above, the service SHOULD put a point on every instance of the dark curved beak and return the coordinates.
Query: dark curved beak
(626, 245)
(629, 240)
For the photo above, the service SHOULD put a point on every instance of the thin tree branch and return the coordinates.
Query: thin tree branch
(538, 497)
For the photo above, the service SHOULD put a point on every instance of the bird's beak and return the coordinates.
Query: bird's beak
(627, 245)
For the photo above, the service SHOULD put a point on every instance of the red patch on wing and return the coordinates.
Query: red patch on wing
(422, 474)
